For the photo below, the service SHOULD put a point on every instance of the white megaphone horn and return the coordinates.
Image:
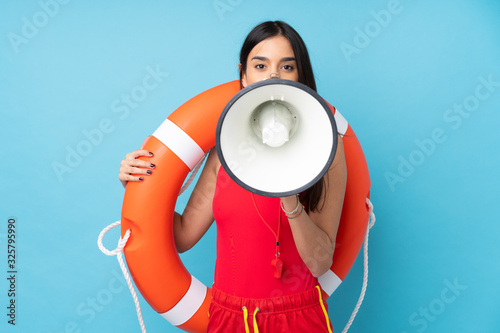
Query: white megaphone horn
(276, 137)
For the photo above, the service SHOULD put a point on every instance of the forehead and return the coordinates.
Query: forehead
(274, 47)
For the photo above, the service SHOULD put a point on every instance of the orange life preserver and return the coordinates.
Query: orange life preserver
(148, 209)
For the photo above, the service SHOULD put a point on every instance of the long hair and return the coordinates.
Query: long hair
(311, 197)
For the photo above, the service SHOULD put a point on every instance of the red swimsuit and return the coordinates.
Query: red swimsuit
(244, 274)
(246, 246)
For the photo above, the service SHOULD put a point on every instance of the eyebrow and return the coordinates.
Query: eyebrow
(266, 59)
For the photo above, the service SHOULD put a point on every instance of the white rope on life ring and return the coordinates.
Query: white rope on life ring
(365, 267)
(118, 252)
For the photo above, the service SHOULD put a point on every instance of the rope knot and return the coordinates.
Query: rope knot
(121, 242)
(118, 253)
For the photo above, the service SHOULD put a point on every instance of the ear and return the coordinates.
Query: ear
(243, 77)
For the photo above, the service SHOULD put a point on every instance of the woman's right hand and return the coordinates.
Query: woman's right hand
(132, 165)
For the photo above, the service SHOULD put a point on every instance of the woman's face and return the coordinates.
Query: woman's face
(272, 55)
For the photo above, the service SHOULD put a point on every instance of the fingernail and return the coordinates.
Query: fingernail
(140, 178)
(149, 172)
(152, 165)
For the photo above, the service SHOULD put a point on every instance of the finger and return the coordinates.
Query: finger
(136, 163)
(127, 172)
(138, 153)
(130, 178)
(137, 171)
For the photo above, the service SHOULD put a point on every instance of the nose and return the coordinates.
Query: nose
(273, 75)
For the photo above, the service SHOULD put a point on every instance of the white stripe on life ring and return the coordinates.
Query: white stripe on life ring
(342, 123)
(188, 305)
(175, 139)
(329, 282)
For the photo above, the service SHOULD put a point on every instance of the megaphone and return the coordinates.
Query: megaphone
(276, 138)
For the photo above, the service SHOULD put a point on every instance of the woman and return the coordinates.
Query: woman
(270, 251)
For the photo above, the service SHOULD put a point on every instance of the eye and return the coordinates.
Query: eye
(288, 68)
(260, 66)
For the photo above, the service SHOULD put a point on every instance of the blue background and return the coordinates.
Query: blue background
(399, 81)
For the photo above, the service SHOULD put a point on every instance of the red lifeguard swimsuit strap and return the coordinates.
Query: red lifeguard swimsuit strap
(246, 247)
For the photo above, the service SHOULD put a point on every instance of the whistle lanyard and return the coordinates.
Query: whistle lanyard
(277, 263)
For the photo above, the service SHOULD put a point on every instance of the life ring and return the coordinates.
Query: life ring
(148, 208)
